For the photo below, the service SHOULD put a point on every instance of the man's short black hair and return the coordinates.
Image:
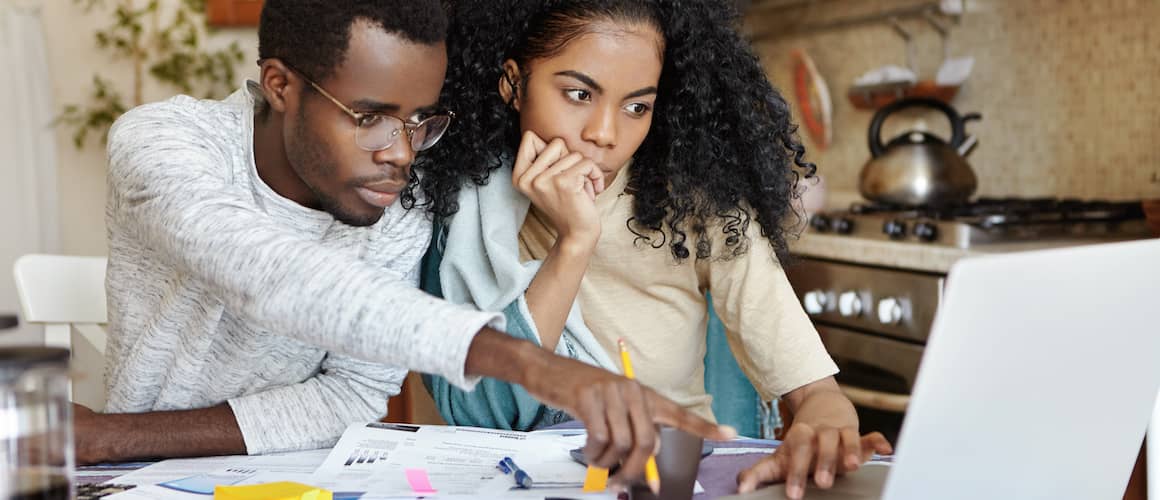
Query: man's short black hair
(313, 35)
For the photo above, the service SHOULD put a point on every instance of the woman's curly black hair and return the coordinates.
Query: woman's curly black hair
(722, 149)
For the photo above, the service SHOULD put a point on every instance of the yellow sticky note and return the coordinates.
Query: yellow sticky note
(596, 480)
(271, 491)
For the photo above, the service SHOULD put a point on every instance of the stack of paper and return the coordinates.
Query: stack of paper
(382, 461)
(393, 460)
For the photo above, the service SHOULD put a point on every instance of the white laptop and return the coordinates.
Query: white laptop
(1038, 381)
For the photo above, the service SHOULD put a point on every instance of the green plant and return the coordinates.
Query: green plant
(166, 46)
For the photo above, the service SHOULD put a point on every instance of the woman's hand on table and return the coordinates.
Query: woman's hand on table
(822, 442)
(822, 452)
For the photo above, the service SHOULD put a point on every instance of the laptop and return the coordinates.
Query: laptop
(1038, 381)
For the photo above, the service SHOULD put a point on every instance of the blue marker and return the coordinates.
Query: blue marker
(523, 480)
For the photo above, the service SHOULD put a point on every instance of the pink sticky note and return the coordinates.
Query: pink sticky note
(419, 481)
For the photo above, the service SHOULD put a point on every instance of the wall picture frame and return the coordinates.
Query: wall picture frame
(233, 13)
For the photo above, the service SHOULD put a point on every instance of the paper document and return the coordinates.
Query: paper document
(297, 463)
(388, 461)
(398, 460)
(194, 478)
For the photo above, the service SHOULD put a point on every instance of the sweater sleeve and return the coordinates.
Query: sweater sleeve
(314, 413)
(166, 175)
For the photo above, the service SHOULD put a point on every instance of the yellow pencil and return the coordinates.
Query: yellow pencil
(651, 475)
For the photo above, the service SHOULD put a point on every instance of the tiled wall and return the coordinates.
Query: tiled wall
(1069, 89)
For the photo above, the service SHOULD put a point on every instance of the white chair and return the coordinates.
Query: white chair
(66, 294)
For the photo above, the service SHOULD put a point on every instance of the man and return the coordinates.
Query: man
(262, 269)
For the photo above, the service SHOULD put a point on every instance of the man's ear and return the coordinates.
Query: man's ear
(277, 81)
(509, 84)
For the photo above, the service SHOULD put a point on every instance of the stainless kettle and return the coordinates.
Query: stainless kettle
(917, 168)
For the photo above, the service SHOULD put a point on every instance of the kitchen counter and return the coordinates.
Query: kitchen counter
(909, 255)
(902, 255)
(913, 256)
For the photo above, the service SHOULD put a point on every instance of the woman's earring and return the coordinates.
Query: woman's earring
(515, 86)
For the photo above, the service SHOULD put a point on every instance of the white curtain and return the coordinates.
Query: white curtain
(27, 138)
(28, 168)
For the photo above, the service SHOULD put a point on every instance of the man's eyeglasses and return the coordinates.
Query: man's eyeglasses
(379, 131)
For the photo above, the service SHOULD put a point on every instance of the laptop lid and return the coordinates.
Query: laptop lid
(1038, 379)
(1037, 382)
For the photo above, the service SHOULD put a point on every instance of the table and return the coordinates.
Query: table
(718, 473)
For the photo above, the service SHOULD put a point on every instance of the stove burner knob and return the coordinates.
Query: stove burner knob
(894, 228)
(820, 223)
(850, 304)
(816, 301)
(842, 225)
(890, 311)
(926, 231)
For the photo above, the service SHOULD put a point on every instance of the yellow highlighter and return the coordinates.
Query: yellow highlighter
(272, 491)
(651, 475)
(596, 480)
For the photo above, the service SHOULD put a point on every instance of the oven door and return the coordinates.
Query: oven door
(876, 374)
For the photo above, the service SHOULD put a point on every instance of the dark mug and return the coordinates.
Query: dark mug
(678, 462)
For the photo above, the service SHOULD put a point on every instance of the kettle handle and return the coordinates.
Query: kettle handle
(875, 139)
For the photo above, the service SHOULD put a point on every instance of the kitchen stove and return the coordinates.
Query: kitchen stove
(987, 220)
(875, 320)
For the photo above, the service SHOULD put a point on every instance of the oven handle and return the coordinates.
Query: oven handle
(878, 400)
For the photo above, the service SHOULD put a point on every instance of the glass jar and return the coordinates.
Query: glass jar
(36, 441)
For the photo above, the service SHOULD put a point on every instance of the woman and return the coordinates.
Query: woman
(638, 158)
